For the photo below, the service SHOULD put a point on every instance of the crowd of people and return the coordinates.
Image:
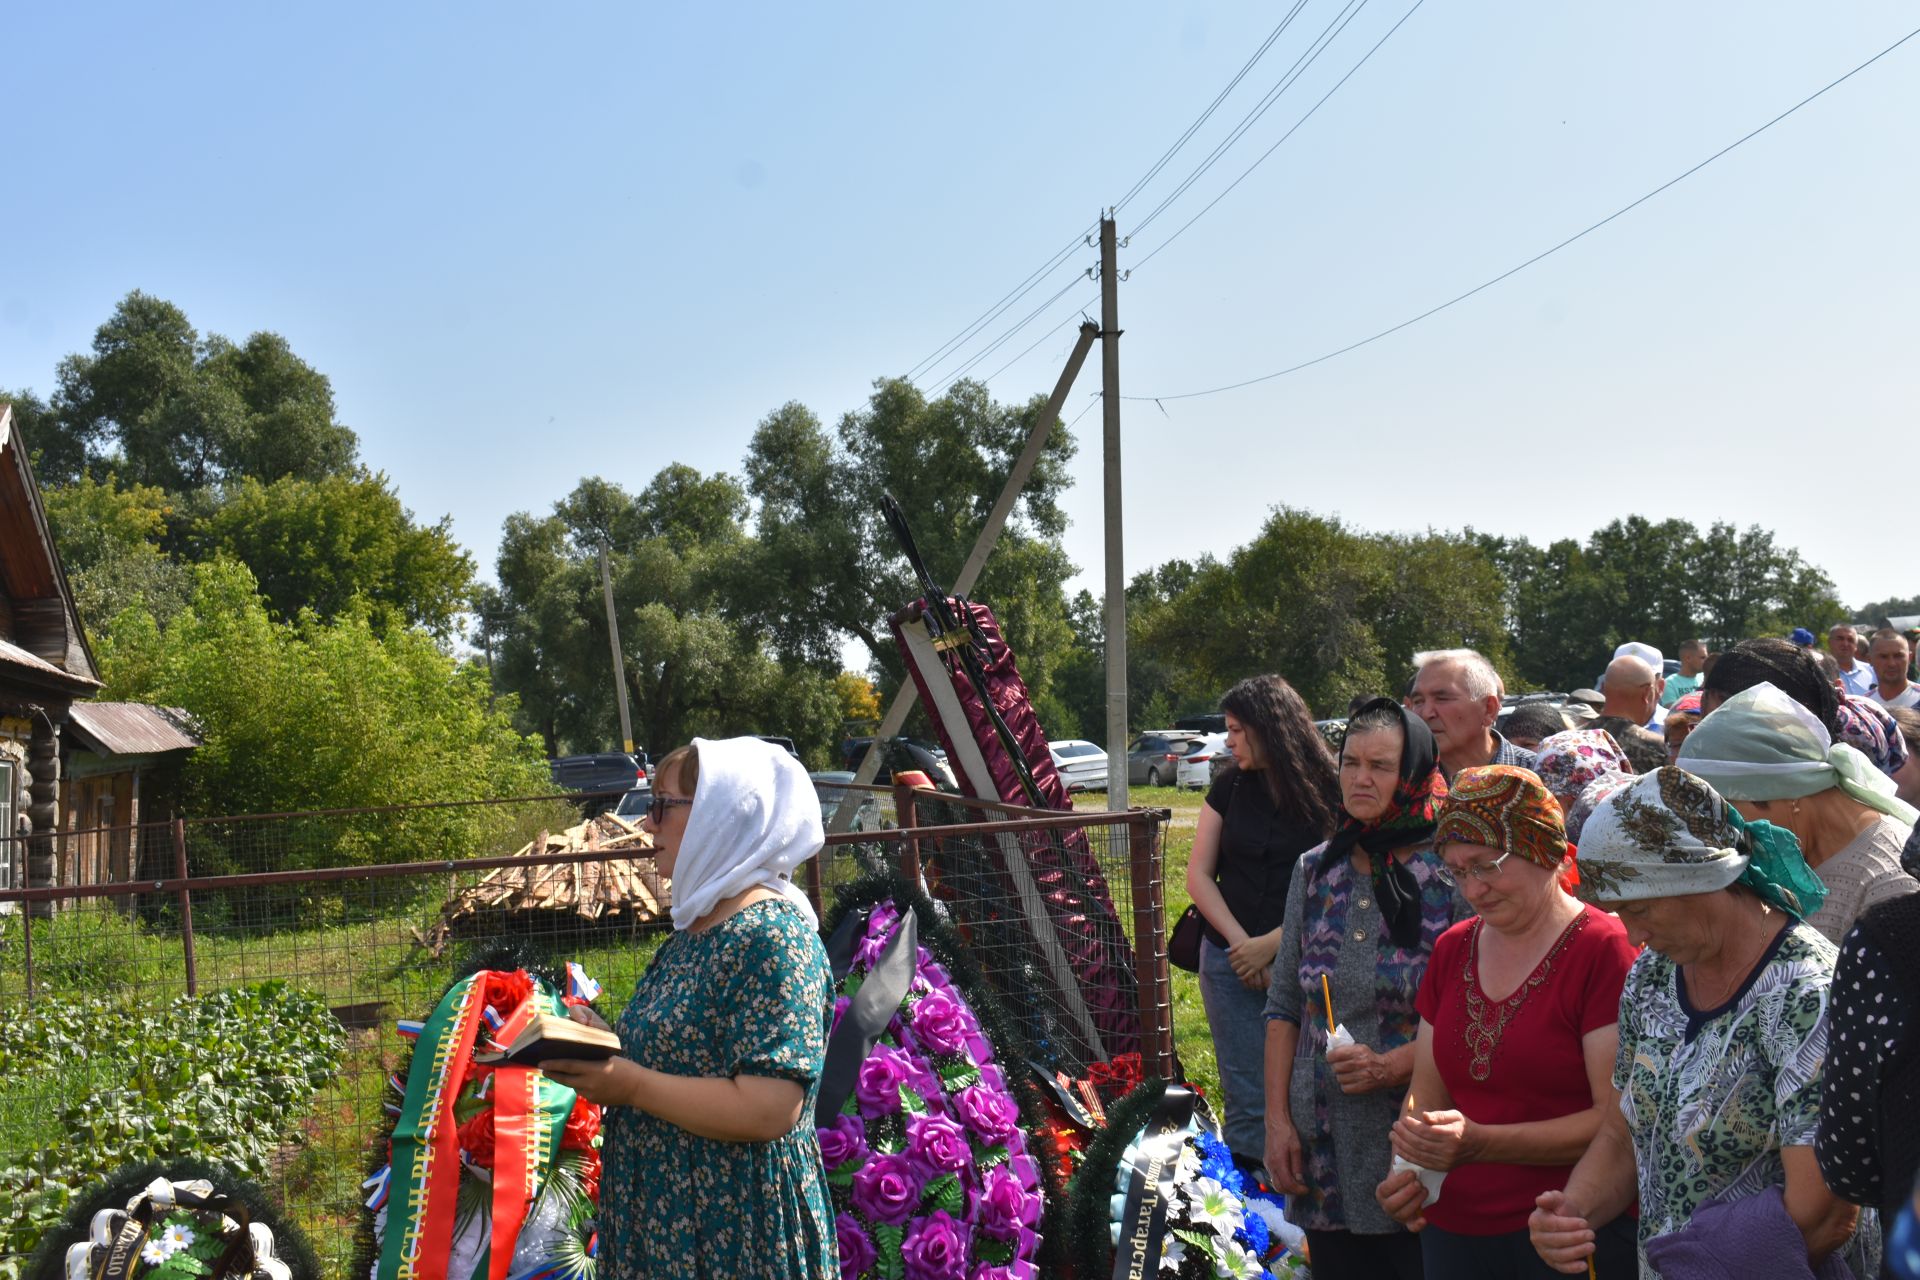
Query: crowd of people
(1625, 990)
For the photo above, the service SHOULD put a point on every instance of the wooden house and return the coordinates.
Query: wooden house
(45, 665)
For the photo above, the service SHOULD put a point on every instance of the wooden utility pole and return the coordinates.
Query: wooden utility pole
(1116, 637)
(613, 639)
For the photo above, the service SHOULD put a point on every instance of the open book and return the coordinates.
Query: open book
(550, 1037)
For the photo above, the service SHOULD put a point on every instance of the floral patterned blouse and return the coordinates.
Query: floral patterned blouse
(1712, 1096)
(749, 996)
(1334, 927)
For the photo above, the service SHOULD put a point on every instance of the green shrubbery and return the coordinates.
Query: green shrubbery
(88, 1085)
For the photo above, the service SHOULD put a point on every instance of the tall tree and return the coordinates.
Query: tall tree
(161, 405)
(322, 544)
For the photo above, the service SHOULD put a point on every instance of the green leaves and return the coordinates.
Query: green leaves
(946, 1193)
(220, 1077)
(889, 1239)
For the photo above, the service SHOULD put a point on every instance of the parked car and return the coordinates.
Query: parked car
(831, 786)
(1154, 758)
(600, 778)
(1082, 765)
(633, 805)
(1195, 771)
(785, 744)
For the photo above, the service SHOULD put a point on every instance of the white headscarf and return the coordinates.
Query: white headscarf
(1762, 745)
(755, 818)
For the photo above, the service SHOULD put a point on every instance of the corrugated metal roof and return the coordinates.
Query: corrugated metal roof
(16, 656)
(132, 728)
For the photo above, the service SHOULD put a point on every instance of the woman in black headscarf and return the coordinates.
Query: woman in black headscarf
(1363, 913)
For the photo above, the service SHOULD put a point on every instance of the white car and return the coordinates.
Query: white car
(1082, 765)
(1195, 770)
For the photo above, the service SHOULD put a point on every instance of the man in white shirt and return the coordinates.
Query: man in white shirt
(1843, 642)
(1890, 655)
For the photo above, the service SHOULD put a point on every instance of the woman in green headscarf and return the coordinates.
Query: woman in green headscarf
(1723, 1030)
(1774, 761)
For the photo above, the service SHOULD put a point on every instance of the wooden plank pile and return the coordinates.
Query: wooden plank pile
(609, 893)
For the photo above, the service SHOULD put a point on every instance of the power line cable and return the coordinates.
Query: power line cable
(1079, 310)
(1318, 46)
(1018, 291)
(1002, 340)
(1032, 281)
(1283, 137)
(1545, 253)
(1213, 106)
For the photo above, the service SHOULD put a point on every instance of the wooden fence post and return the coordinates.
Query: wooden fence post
(1150, 943)
(186, 905)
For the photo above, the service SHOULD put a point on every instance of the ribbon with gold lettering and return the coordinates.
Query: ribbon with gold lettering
(1143, 1223)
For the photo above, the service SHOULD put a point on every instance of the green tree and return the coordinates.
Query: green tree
(685, 592)
(109, 539)
(323, 544)
(57, 456)
(1898, 607)
(164, 406)
(313, 713)
(827, 567)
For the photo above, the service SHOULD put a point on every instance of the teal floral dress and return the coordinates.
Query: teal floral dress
(749, 996)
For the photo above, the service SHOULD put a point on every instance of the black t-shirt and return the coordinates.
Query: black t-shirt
(1258, 849)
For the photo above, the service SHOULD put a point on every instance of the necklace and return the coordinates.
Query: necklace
(1486, 1019)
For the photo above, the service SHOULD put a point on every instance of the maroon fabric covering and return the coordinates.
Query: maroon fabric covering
(1062, 864)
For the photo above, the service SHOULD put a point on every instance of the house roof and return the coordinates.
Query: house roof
(30, 568)
(19, 660)
(131, 728)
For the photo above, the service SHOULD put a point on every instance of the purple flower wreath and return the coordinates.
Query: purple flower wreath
(928, 1167)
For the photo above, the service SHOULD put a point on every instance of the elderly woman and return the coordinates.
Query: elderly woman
(1512, 1071)
(1722, 1032)
(712, 1167)
(1363, 913)
(1773, 759)
(1275, 803)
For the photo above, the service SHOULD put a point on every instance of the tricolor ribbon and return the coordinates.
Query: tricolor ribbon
(579, 985)
(380, 1183)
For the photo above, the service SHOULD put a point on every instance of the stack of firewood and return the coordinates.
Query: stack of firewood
(622, 893)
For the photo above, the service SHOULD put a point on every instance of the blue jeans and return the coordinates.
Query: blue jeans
(1237, 1017)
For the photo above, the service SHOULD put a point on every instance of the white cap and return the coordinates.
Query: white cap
(1646, 653)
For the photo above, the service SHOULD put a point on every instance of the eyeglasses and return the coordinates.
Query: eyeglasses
(658, 806)
(1483, 872)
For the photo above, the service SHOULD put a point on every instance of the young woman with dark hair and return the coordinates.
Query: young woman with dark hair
(1277, 801)
(1780, 663)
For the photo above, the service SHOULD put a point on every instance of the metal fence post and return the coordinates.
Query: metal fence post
(1150, 943)
(907, 818)
(186, 905)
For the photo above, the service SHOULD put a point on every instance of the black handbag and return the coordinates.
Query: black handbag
(1183, 944)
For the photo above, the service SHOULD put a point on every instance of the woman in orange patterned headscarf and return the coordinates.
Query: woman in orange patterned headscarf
(1514, 1058)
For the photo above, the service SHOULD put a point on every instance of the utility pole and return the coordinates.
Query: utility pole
(613, 638)
(1116, 569)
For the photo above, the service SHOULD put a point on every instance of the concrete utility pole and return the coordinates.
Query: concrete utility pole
(613, 639)
(1116, 568)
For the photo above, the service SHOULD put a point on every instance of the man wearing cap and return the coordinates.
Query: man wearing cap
(1856, 677)
(1655, 660)
(1802, 637)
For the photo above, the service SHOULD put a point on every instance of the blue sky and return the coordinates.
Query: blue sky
(533, 245)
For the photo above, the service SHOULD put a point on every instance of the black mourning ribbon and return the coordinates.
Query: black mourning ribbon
(1143, 1223)
(870, 1009)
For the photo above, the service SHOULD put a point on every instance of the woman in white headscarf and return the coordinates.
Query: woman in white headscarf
(1773, 760)
(711, 1166)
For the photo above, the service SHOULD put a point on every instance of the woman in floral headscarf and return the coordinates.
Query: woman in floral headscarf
(1518, 1031)
(1571, 762)
(1363, 912)
(1723, 1028)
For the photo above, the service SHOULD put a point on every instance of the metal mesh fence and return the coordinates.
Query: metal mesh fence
(134, 1019)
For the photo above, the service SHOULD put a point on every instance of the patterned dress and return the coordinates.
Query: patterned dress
(747, 997)
(1334, 927)
(1711, 1096)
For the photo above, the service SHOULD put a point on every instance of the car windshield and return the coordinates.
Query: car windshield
(634, 803)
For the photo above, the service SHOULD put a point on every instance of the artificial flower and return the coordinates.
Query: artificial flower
(842, 1142)
(936, 1248)
(1210, 1203)
(940, 1022)
(856, 1248)
(1173, 1252)
(939, 1145)
(176, 1237)
(1005, 1206)
(877, 1085)
(153, 1253)
(1233, 1262)
(887, 1189)
(990, 1113)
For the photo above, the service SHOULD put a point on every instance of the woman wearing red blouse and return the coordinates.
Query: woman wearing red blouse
(1519, 1015)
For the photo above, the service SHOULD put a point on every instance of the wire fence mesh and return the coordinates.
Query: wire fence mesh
(248, 1013)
